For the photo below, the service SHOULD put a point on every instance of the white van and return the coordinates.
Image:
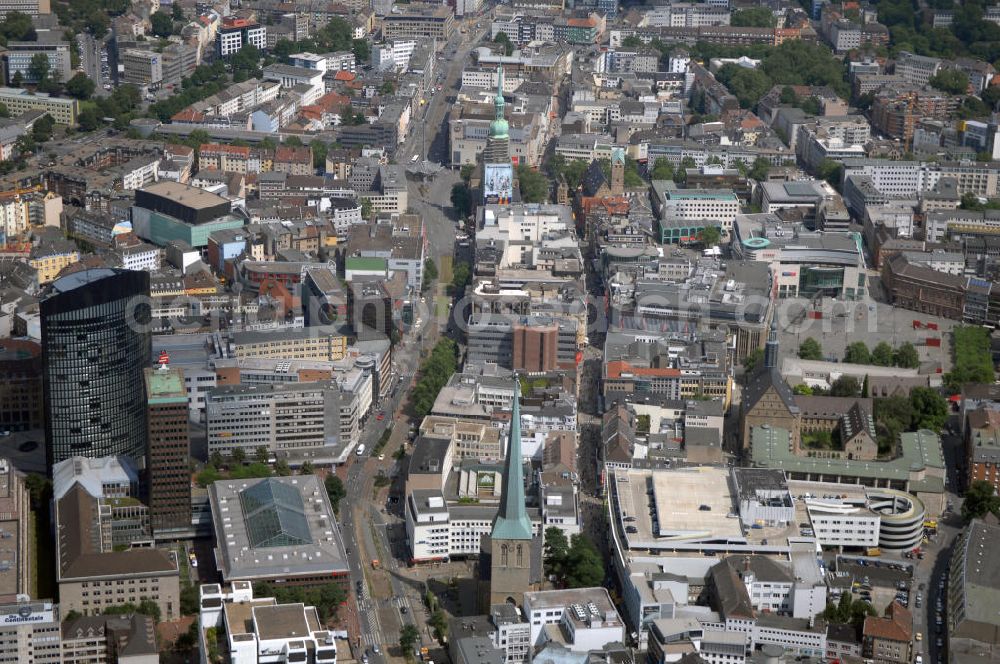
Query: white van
(361, 450)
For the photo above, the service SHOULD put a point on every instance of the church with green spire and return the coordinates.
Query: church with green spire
(511, 557)
(498, 179)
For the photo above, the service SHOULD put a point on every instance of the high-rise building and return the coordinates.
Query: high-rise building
(95, 345)
(169, 451)
(20, 385)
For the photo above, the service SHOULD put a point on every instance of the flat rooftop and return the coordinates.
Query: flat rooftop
(275, 527)
(193, 197)
(672, 498)
(165, 385)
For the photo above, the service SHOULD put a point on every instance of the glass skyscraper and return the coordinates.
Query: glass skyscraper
(95, 346)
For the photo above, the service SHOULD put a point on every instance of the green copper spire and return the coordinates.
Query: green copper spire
(512, 521)
(499, 128)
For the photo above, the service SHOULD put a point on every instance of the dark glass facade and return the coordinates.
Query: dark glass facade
(95, 345)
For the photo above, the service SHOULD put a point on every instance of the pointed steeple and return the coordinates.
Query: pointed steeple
(512, 521)
(771, 348)
(499, 127)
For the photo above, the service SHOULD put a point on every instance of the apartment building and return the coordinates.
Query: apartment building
(221, 157)
(316, 421)
(256, 627)
(889, 639)
(235, 33)
(30, 632)
(142, 67)
(916, 69)
(439, 531)
(62, 109)
(419, 22)
(94, 573)
(293, 344)
(523, 343)
(110, 640)
(683, 213)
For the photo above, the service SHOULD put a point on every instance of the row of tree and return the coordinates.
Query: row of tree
(972, 361)
(883, 355)
(434, 374)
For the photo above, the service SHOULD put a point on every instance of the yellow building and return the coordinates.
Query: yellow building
(50, 258)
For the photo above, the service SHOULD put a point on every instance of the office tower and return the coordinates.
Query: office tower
(95, 344)
(169, 451)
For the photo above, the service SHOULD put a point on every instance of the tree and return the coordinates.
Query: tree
(760, 169)
(38, 70)
(319, 151)
(556, 552)
(149, 607)
(408, 637)
(237, 456)
(362, 50)
(80, 86)
(177, 12)
(930, 410)
(281, 468)
(950, 80)
(802, 389)
(788, 95)
(216, 459)
(906, 356)
(857, 353)
(980, 500)
(711, 236)
(306, 468)
(882, 355)
(17, 26)
(430, 271)
(261, 454)
(41, 130)
(504, 42)
(17, 79)
(754, 17)
(4, 111)
(845, 386)
(461, 199)
(662, 170)
(810, 350)
(460, 275)
(335, 490)
(162, 24)
(584, 565)
(865, 388)
(893, 415)
(753, 360)
(366, 208)
(748, 85)
(831, 171)
(534, 185)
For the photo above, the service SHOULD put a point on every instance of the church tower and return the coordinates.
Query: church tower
(771, 348)
(498, 174)
(511, 545)
(617, 171)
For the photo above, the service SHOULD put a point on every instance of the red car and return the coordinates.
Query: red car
(380, 417)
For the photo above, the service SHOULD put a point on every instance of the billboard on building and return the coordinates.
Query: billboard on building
(498, 183)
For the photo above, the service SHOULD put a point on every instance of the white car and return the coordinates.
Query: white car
(381, 457)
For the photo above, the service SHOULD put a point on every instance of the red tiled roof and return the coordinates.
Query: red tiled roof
(285, 153)
(344, 75)
(188, 115)
(219, 148)
(617, 367)
(897, 625)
